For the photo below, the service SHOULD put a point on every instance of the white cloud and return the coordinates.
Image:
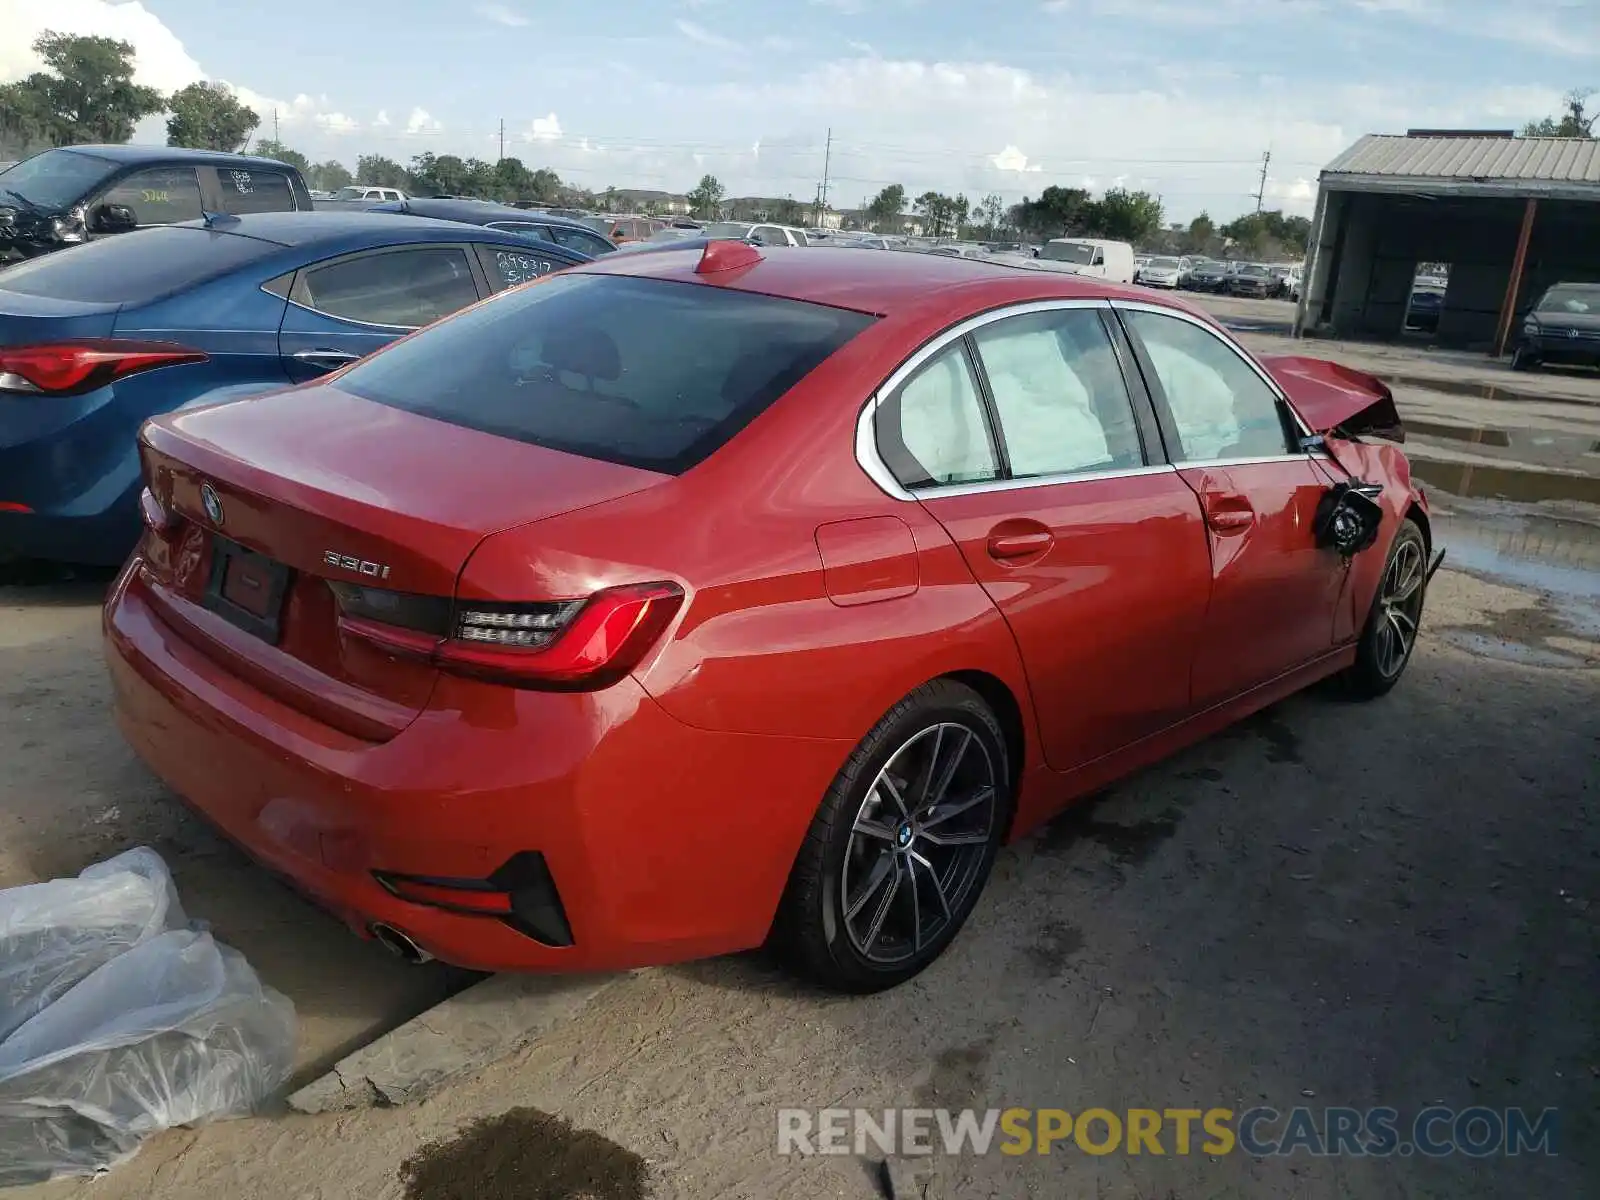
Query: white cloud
(704, 36)
(160, 60)
(1013, 159)
(381, 121)
(420, 122)
(501, 14)
(543, 129)
(337, 122)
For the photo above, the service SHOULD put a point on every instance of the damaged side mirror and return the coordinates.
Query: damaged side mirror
(1348, 517)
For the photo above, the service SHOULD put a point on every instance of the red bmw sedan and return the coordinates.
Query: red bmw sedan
(689, 601)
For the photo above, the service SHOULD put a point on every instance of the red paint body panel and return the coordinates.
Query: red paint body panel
(1273, 591)
(1123, 616)
(868, 560)
(1329, 394)
(1106, 634)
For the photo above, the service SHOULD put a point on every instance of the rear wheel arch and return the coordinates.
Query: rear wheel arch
(1003, 702)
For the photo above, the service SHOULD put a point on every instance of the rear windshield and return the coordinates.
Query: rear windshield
(134, 268)
(642, 372)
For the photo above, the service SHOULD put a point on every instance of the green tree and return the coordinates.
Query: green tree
(208, 116)
(1575, 122)
(268, 148)
(378, 171)
(329, 176)
(788, 211)
(87, 94)
(1200, 234)
(1269, 235)
(1057, 212)
(990, 213)
(445, 174)
(706, 198)
(1126, 216)
(883, 213)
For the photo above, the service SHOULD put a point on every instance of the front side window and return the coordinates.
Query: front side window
(932, 431)
(1059, 394)
(158, 196)
(254, 191)
(403, 288)
(1220, 406)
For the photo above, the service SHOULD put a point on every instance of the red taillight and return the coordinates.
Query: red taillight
(69, 368)
(563, 644)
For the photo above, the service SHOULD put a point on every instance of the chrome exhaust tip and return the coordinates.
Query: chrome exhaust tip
(400, 944)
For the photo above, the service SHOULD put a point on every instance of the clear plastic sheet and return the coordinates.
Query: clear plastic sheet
(131, 1021)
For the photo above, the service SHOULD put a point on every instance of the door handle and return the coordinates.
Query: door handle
(1019, 545)
(327, 359)
(1230, 520)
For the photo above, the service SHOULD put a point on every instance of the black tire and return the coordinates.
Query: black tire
(1376, 669)
(814, 932)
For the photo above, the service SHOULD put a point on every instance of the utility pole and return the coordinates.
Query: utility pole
(822, 192)
(502, 141)
(1261, 191)
(275, 137)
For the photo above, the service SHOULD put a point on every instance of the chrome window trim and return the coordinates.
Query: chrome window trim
(1033, 481)
(867, 443)
(1228, 340)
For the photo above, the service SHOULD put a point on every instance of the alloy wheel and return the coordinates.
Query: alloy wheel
(1399, 608)
(919, 842)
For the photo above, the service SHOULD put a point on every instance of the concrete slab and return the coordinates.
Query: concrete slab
(470, 1030)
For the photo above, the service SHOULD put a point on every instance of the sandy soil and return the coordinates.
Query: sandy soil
(1384, 903)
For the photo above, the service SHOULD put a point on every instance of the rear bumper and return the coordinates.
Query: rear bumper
(99, 538)
(664, 842)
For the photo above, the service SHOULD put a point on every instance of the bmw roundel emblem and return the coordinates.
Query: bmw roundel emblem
(211, 502)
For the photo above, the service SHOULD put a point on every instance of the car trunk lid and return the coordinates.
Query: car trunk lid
(265, 508)
(1336, 399)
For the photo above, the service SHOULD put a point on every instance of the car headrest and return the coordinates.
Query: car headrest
(772, 370)
(585, 351)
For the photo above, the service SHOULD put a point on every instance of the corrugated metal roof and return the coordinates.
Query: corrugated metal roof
(1473, 159)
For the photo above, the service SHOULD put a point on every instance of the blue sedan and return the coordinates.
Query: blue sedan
(95, 339)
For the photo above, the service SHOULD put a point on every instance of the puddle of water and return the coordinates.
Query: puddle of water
(1528, 485)
(1481, 436)
(1555, 555)
(1483, 391)
(1488, 646)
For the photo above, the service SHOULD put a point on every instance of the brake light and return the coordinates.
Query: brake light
(71, 368)
(560, 644)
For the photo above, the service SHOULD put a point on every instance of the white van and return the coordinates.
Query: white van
(1111, 261)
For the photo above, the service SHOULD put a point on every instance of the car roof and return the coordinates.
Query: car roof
(307, 229)
(141, 154)
(478, 212)
(883, 284)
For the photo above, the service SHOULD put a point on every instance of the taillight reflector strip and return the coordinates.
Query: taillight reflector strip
(71, 368)
(562, 644)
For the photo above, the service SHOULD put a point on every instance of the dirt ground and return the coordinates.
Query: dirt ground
(1332, 904)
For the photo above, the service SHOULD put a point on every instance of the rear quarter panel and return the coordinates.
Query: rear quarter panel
(759, 647)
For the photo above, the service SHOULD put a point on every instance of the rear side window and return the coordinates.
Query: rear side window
(932, 431)
(508, 267)
(137, 267)
(1059, 394)
(254, 191)
(643, 372)
(158, 196)
(403, 289)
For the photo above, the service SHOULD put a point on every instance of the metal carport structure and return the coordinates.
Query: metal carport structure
(1510, 215)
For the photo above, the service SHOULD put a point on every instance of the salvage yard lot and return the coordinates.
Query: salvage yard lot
(1333, 904)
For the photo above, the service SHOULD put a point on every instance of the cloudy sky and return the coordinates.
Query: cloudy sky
(1179, 97)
